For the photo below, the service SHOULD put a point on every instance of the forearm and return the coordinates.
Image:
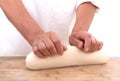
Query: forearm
(84, 16)
(17, 14)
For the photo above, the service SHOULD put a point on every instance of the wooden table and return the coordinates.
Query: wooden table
(14, 69)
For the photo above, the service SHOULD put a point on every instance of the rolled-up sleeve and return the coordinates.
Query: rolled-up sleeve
(97, 3)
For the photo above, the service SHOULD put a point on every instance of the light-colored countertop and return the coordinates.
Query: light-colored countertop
(14, 69)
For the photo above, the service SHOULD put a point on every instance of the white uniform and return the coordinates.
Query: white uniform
(51, 15)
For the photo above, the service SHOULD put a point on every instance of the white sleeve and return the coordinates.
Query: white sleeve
(97, 3)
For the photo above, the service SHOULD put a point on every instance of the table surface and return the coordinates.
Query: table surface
(14, 69)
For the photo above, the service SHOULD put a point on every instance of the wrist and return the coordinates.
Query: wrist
(78, 28)
(33, 36)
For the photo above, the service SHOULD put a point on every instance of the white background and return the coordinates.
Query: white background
(105, 27)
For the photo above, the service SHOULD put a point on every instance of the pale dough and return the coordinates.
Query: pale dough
(73, 56)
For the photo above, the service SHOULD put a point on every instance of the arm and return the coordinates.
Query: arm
(44, 43)
(16, 13)
(85, 13)
(80, 36)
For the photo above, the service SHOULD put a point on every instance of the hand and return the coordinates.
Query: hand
(85, 41)
(47, 44)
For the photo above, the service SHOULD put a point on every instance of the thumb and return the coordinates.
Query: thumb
(78, 43)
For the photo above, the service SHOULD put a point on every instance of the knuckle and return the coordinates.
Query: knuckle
(101, 45)
(35, 48)
(76, 34)
(50, 47)
(88, 35)
(71, 43)
(42, 48)
(57, 41)
(73, 34)
(51, 33)
(60, 49)
(36, 53)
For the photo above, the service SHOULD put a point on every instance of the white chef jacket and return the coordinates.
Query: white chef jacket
(54, 15)
(51, 15)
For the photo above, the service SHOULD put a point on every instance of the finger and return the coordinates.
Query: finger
(94, 45)
(64, 48)
(77, 42)
(43, 49)
(97, 45)
(80, 43)
(87, 43)
(100, 45)
(50, 46)
(37, 52)
(58, 45)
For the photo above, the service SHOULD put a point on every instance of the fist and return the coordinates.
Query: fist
(85, 41)
(47, 44)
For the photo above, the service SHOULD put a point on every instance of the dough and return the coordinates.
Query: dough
(73, 56)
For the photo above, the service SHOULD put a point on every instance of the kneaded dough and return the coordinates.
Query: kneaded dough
(72, 57)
